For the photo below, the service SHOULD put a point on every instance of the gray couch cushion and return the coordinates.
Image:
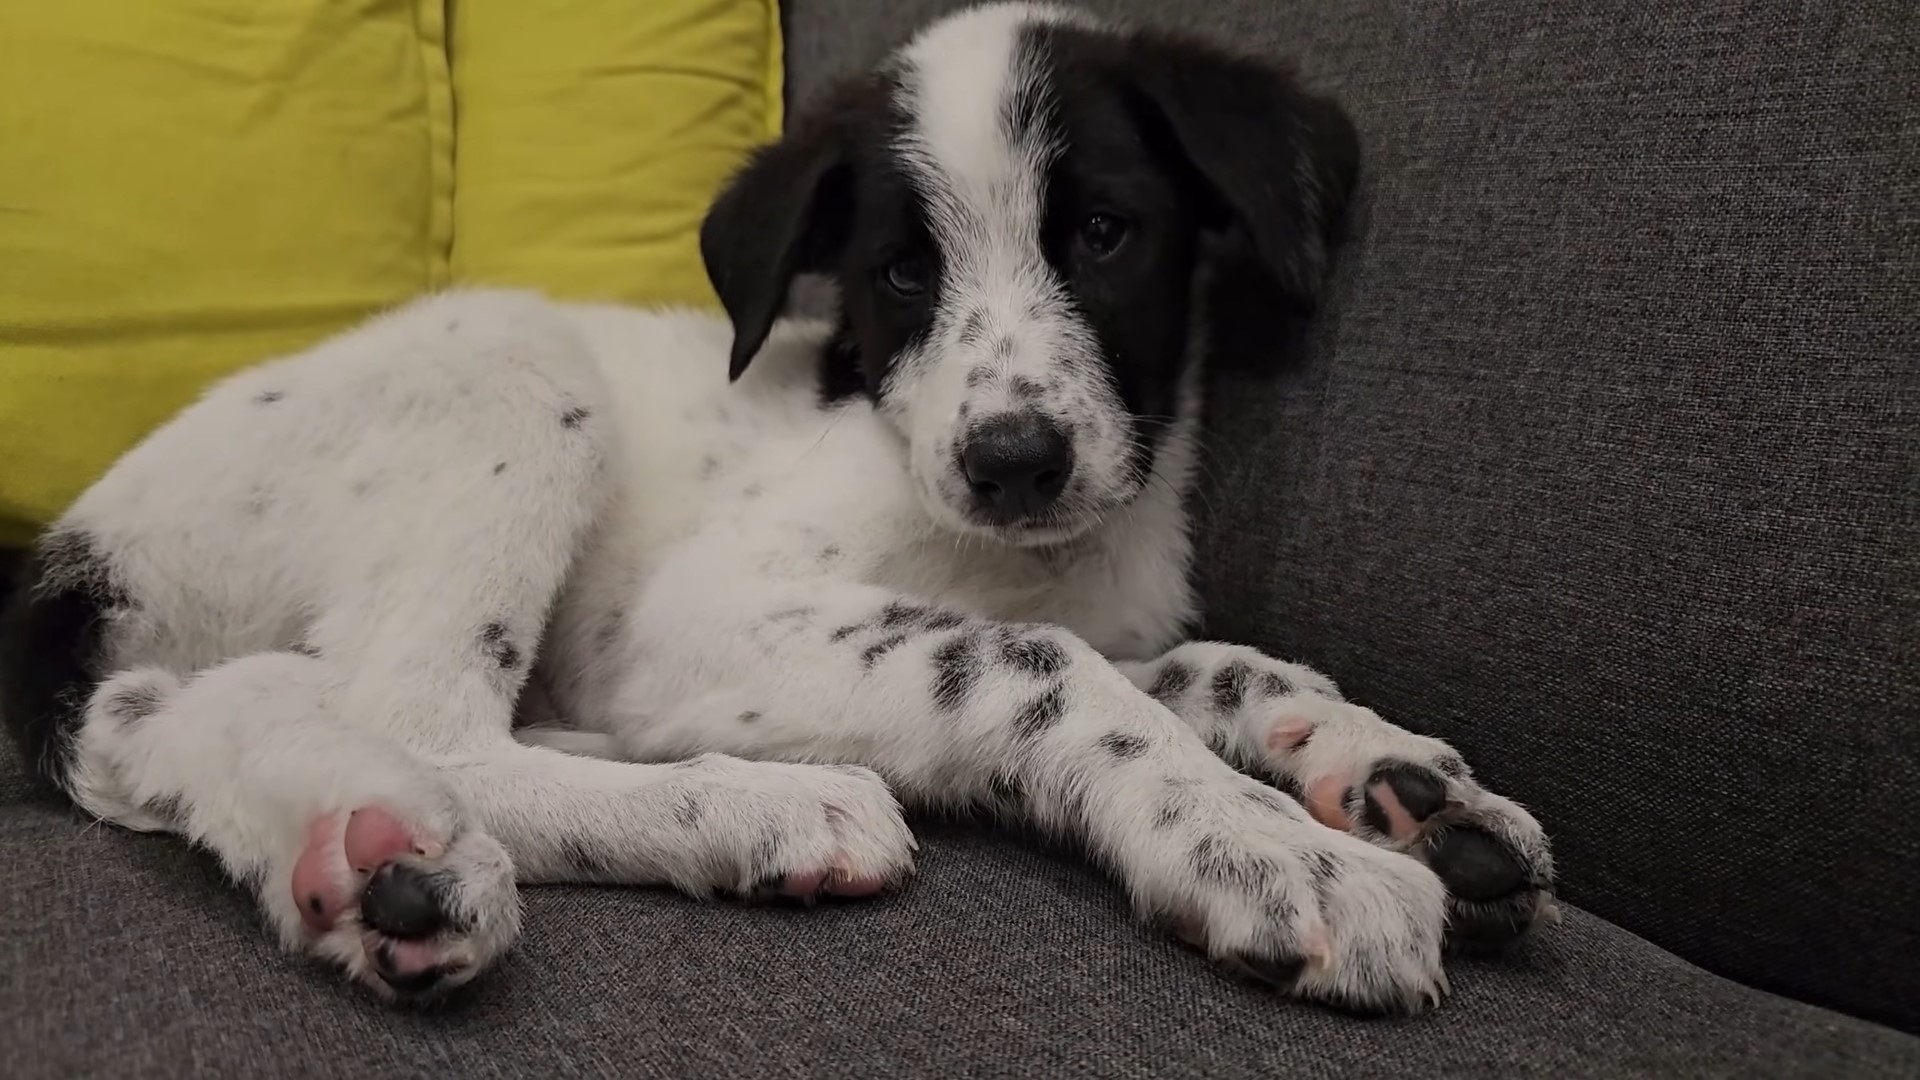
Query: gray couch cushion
(127, 956)
(1600, 460)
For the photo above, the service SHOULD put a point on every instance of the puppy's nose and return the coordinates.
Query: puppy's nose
(1017, 465)
(402, 902)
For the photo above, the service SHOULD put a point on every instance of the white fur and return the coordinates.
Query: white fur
(346, 561)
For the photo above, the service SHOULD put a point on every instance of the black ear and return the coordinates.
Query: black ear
(1278, 164)
(784, 213)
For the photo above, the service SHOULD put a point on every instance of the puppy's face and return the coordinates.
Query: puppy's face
(1015, 208)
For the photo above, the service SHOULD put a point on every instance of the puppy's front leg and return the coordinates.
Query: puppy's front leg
(1357, 772)
(957, 710)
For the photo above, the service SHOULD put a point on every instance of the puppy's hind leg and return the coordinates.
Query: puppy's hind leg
(355, 850)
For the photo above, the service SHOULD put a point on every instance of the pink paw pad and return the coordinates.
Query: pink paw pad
(342, 851)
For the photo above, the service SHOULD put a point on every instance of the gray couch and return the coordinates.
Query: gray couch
(1600, 463)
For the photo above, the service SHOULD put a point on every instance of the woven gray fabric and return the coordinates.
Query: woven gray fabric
(1600, 462)
(125, 956)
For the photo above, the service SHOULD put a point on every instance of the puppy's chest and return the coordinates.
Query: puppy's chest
(773, 487)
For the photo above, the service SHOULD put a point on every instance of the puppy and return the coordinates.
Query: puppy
(495, 590)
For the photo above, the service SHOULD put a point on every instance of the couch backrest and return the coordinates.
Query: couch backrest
(1602, 461)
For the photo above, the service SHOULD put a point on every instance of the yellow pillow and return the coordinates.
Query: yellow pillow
(592, 135)
(190, 186)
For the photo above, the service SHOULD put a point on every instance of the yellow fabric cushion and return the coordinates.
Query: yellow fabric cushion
(190, 186)
(593, 133)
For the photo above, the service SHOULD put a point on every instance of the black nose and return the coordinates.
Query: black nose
(1017, 465)
(402, 902)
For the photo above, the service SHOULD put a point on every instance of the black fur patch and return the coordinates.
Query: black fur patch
(1230, 687)
(52, 636)
(973, 329)
(873, 653)
(268, 397)
(689, 810)
(493, 637)
(798, 615)
(1007, 790)
(305, 648)
(1323, 869)
(1273, 684)
(168, 808)
(956, 670)
(1452, 766)
(134, 703)
(1214, 860)
(1025, 388)
(500, 468)
(829, 553)
(586, 859)
(1123, 745)
(751, 716)
(1036, 717)
(1173, 680)
(1037, 656)
(574, 417)
(1172, 812)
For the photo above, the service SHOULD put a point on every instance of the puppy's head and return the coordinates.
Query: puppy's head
(1016, 206)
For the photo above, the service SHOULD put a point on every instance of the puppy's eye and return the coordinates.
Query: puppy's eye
(908, 276)
(1102, 233)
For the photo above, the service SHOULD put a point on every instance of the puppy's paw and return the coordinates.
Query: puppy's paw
(1315, 913)
(402, 908)
(797, 831)
(1413, 794)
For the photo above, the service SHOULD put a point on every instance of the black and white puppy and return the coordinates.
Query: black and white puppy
(494, 589)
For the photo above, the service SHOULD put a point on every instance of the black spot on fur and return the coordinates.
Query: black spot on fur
(1024, 388)
(574, 417)
(493, 637)
(974, 328)
(978, 376)
(1036, 717)
(1123, 745)
(1215, 860)
(873, 653)
(585, 859)
(956, 669)
(168, 808)
(1007, 790)
(1230, 687)
(1037, 656)
(690, 809)
(1172, 681)
(305, 648)
(1452, 766)
(751, 716)
(268, 397)
(1273, 684)
(53, 630)
(1323, 870)
(134, 703)
(830, 553)
(799, 616)
(1004, 347)
(1172, 812)
(709, 467)
(500, 468)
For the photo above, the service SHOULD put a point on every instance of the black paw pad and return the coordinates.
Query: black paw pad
(1492, 899)
(1420, 791)
(403, 902)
